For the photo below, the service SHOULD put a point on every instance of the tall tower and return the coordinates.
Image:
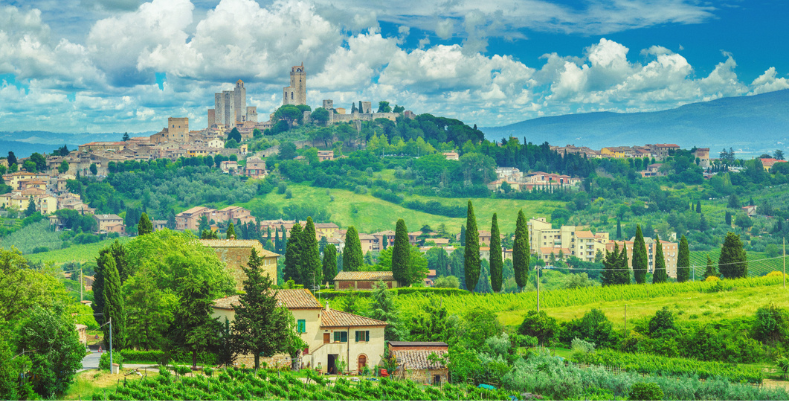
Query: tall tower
(219, 109)
(230, 111)
(296, 93)
(240, 101)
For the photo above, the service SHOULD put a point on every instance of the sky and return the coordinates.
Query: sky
(126, 65)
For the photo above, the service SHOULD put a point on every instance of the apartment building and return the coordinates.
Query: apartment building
(670, 250)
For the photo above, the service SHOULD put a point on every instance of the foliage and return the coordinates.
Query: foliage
(616, 271)
(117, 358)
(352, 257)
(144, 226)
(329, 263)
(310, 264)
(401, 255)
(640, 260)
(539, 325)
(683, 261)
(192, 327)
(521, 251)
(471, 258)
(293, 252)
(383, 308)
(771, 325)
(645, 391)
(593, 327)
(113, 308)
(496, 261)
(733, 261)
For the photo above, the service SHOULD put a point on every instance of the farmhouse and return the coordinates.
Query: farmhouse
(363, 280)
(235, 253)
(413, 361)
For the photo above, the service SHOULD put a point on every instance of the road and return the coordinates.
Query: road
(91, 361)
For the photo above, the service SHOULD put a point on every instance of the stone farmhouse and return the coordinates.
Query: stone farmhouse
(414, 361)
(363, 280)
(331, 335)
(235, 253)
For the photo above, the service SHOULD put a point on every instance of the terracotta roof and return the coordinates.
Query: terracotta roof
(354, 276)
(584, 234)
(291, 299)
(194, 210)
(335, 318)
(238, 243)
(418, 344)
(416, 359)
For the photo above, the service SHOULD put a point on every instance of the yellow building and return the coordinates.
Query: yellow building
(331, 336)
(564, 242)
(235, 253)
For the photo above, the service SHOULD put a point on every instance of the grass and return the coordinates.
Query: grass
(87, 382)
(759, 263)
(692, 307)
(75, 253)
(370, 214)
(34, 235)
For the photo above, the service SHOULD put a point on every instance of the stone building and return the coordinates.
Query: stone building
(235, 253)
(363, 280)
(230, 108)
(296, 93)
(414, 361)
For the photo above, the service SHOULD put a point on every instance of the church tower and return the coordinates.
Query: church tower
(296, 93)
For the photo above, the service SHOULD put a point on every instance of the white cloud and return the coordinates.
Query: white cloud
(445, 28)
(768, 82)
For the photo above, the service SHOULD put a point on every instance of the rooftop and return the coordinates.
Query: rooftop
(354, 276)
(335, 318)
(238, 243)
(291, 299)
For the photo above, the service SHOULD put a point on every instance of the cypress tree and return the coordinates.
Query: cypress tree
(728, 218)
(231, 231)
(698, 206)
(385, 241)
(293, 255)
(277, 242)
(496, 261)
(618, 230)
(401, 255)
(733, 262)
(683, 261)
(462, 235)
(352, 256)
(640, 258)
(610, 264)
(623, 273)
(711, 270)
(322, 244)
(329, 263)
(471, 262)
(521, 251)
(311, 268)
(144, 226)
(113, 304)
(660, 275)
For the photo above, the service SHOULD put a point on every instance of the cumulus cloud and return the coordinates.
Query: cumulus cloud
(768, 82)
(445, 28)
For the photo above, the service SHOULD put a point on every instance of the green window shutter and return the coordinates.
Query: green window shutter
(344, 337)
(336, 336)
(302, 326)
(367, 335)
(357, 335)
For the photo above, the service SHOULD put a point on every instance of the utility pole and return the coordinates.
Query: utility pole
(538, 288)
(110, 323)
(784, 262)
(80, 284)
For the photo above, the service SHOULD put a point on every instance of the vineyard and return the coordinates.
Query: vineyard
(664, 366)
(33, 236)
(244, 384)
(458, 304)
(75, 253)
(759, 263)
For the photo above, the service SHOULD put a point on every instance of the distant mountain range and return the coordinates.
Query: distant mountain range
(752, 125)
(25, 143)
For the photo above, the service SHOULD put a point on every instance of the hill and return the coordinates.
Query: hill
(25, 143)
(750, 124)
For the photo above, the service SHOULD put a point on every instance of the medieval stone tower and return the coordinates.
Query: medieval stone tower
(296, 93)
(240, 101)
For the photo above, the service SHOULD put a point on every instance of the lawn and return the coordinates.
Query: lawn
(75, 253)
(370, 214)
(87, 382)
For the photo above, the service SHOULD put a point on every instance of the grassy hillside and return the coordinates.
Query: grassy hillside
(32, 236)
(75, 253)
(759, 263)
(369, 214)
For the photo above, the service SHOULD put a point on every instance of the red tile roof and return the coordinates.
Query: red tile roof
(291, 299)
(364, 276)
(335, 318)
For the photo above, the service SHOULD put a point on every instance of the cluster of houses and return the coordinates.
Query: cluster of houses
(536, 180)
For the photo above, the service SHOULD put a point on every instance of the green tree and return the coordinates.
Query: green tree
(329, 263)
(496, 261)
(148, 311)
(93, 169)
(193, 329)
(623, 271)
(113, 304)
(288, 113)
(29, 166)
(433, 325)
(11, 388)
(58, 353)
(698, 206)
(711, 269)
(618, 230)
(640, 259)
(125, 136)
(310, 266)
(727, 218)
(352, 256)
(144, 226)
(383, 107)
(734, 202)
(261, 327)
(401, 254)
(683, 261)
(471, 258)
(521, 251)
(771, 325)
(733, 261)
(231, 231)
(293, 255)
(63, 167)
(235, 135)
(256, 134)
(31, 206)
(659, 275)
(540, 325)
(383, 308)
(615, 270)
(462, 235)
(320, 116)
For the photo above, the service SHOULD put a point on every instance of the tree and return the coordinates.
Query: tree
(144, 226)
(288, 113)
(659, 275)
(329, 263)
(385, 242)
(611, 274)
(640, 259)
(401, 254)
(618, 230)
(261, 326)
(383, 308)
(11, 158)
(310, 266)
(231, 231)
(256, 134)
(287, 151)
(496, 261)
(383, 107)
(521, 251)
(703, 225)
(778, 154)
(462, 235)
(113, 304)
(711, 270)
(193, 329)
(63, 167)
(733, 261)
(540, 325)
(320, 116)
(471, 257)
(734, 202)
(683, 261)
(698, 206)
(40, 161)
(58, 353)
(31, 206)
(231, 144)
(93, 169)
(623, 273)
(293, 254)
(727, 218)
(125, 136)
(234, 134)
(352, 256)
(29, 166)
(433, 325)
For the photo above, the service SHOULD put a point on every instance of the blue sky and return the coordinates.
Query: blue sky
(127, 65)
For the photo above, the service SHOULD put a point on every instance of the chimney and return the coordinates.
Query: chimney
(327, 305)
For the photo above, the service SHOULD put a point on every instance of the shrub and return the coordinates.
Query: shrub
(712, 278)
(645, 391)
(104, 360)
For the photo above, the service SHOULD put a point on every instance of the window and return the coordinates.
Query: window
(340, 336)
(302, 326)
(362, 336)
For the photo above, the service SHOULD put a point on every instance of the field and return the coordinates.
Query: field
(32, 236)
(75, 253)
(759, 263)
(370, 214)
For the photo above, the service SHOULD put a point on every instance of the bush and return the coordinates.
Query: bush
(645, 391)
(539, 325)
(104, 360)
(447, 282)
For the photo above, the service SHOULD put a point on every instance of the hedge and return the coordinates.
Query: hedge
(140, 356)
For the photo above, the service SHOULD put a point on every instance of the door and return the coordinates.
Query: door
(362, 362)
(326, 338)
(331, 367)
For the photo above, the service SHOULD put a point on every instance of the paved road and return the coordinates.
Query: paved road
(91, 361)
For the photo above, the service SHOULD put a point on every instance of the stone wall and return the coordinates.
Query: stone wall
(235, 253)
